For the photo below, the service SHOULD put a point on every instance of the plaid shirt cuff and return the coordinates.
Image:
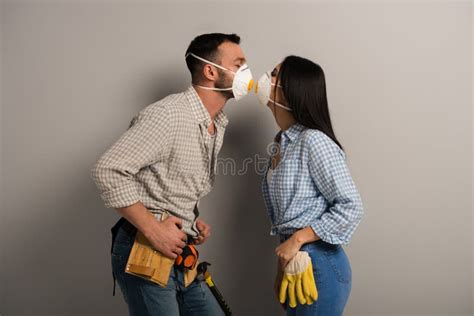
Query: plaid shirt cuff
(319, 230)
(123, 196)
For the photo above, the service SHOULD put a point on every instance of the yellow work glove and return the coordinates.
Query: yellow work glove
(298, 281)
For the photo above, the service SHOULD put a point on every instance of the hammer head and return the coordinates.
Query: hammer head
(202, 267)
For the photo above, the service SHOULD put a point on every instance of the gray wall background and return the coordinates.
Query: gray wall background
(399, 78)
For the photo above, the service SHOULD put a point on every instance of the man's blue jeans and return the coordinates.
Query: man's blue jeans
(333, 276)
(145, 298)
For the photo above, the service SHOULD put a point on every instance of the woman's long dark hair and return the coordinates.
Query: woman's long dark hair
(304, 87)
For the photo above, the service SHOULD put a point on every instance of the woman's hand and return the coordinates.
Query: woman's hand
(287, 250)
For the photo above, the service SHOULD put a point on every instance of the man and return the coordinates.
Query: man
(165, 161)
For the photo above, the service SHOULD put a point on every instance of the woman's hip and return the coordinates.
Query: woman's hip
(333, 277)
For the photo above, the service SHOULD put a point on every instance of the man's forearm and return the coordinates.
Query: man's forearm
(139, 216)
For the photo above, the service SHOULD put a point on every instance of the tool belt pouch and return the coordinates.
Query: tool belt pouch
(188, 261)
(146, 262)
(190, 275)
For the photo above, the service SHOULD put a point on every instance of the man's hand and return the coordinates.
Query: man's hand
(166, 236)
(204, 232)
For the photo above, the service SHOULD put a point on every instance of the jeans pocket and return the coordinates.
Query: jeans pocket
(340, 264)
(124, 238)
(318, 262)
(119, 252)
(121, 248)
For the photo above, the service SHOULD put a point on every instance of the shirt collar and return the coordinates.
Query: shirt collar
(293, 131)
(200, 111)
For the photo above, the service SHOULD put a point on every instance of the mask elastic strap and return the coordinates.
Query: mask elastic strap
(280, 105)
(210, 88)
(207, 61)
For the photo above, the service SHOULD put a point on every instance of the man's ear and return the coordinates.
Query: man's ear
(210, 73)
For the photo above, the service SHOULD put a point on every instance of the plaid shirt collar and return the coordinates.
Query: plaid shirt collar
(293, 132)
(200, 111)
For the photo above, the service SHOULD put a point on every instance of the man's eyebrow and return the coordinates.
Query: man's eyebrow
(240, 59)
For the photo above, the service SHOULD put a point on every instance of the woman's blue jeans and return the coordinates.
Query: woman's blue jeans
(333, 276)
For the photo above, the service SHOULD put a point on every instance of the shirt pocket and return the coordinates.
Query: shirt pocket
(187, 158)
(186, 163)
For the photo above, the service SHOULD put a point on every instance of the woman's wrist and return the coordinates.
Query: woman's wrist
(304, 236)
(298, 238)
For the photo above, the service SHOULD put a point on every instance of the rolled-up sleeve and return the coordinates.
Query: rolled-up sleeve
(331, 176)
(142, 144)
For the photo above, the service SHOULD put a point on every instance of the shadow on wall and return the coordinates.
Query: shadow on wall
(246, 262)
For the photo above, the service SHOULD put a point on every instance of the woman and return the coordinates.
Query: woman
(310, 196)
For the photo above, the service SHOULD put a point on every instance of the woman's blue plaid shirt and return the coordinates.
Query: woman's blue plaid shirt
(312, 186)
